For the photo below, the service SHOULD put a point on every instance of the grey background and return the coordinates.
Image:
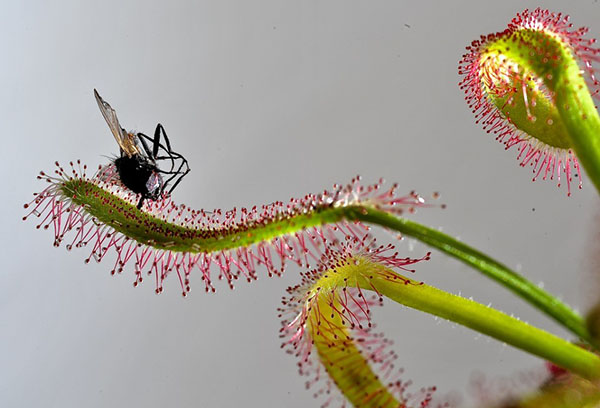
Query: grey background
(268, 100)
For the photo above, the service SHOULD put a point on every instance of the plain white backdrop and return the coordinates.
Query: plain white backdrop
(267, 100)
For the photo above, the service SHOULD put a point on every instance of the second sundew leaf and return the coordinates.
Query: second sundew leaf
(327, 326)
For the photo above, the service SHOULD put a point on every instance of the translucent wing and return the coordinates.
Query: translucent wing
(126, 141)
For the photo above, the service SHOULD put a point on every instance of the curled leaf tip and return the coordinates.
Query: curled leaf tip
(327, 326)
(98, 212)
(532, 86)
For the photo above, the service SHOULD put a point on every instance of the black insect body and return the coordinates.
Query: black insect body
(139, 175)
(137, 166)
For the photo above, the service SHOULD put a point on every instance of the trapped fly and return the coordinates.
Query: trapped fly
(138, 165)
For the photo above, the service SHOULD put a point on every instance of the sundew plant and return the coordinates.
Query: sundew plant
(532, 86)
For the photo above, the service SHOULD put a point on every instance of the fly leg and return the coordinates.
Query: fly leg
(156, 144)
(170, 155)
(142, 138)
(179, 165)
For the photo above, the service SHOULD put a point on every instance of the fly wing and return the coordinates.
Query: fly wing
(126, 141)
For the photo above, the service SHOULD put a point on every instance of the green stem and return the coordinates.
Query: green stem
(493, 269)
(491, 322)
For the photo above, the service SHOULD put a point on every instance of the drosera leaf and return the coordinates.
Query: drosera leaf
(100, 213)
(532, 86)
(327, 325)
